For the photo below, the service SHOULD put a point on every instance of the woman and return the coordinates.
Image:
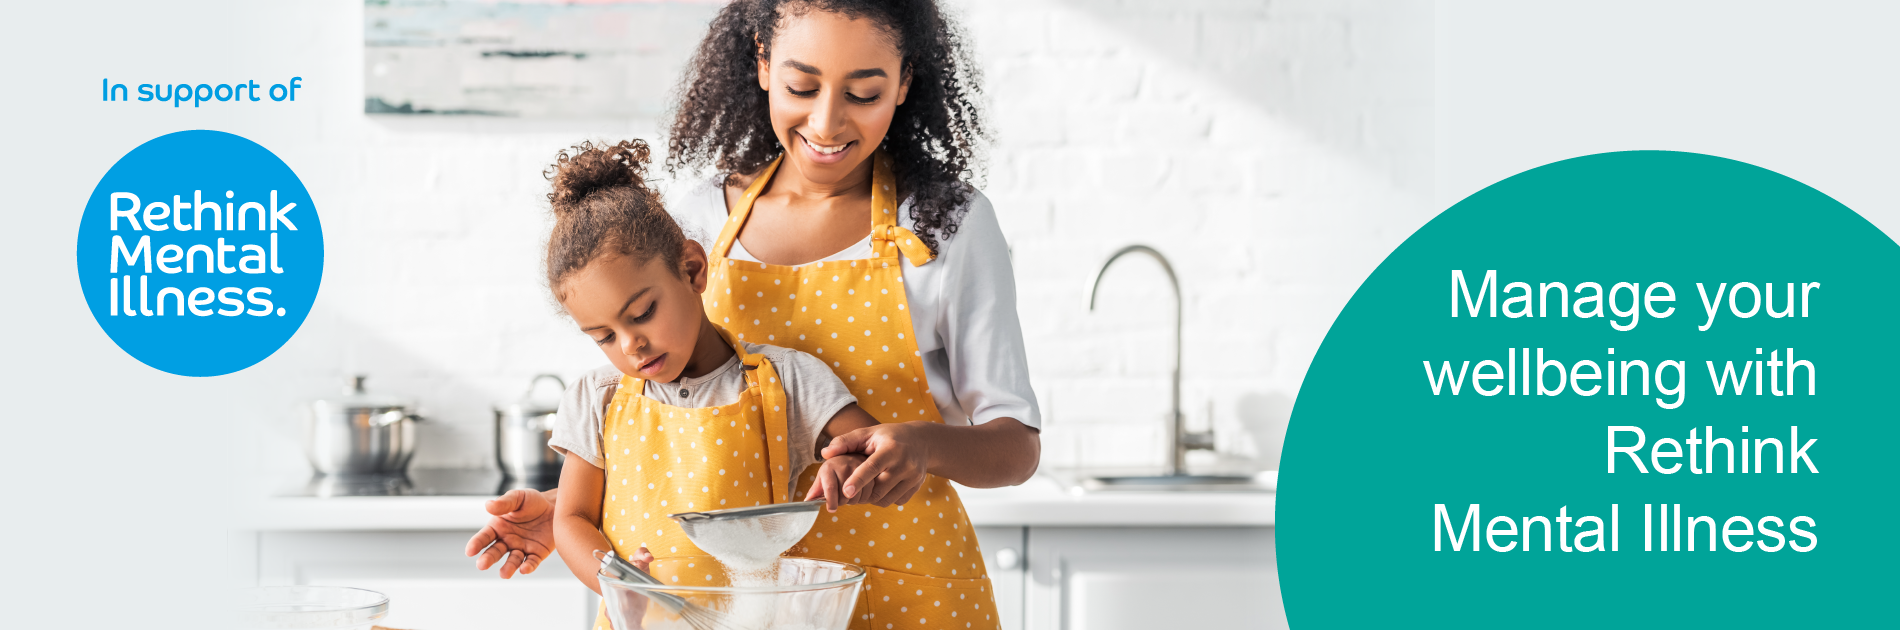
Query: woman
(843, 132)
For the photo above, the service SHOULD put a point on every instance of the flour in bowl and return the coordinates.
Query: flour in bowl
(750, 547)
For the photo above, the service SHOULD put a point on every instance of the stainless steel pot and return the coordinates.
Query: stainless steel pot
(358, 433)
(522, 431)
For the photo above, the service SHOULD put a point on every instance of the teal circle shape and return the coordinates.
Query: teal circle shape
(200, 253)
(1371, 450)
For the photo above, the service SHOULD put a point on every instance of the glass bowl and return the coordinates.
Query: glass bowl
(300, 607)
(791, 594)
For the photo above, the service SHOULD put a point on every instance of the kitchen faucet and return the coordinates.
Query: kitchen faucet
(1181, 441)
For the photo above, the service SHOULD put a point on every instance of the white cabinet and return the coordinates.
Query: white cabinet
(1005, 553)
(429, 582)
(1111, 578)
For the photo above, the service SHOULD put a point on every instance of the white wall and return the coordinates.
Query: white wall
(1275, 151)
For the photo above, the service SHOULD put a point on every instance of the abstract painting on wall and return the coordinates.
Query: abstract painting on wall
(527, 58)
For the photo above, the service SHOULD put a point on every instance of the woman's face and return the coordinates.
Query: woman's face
(645, 317)
(835, 83)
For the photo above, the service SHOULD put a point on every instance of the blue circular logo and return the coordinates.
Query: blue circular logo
(200, 253)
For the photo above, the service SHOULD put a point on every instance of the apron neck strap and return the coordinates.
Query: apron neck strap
(763, 382)
(887, 237)
(735, 219)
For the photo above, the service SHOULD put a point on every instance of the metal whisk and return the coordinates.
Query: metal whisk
(615, 568)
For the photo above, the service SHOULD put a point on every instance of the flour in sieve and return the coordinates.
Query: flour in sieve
(751, 544)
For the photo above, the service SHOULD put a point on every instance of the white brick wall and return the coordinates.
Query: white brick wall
(1275, 151)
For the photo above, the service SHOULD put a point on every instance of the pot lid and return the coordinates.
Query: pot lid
(537, 401)
(353, 397)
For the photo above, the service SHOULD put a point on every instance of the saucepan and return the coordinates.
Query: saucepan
(522, 431)
(359, 433)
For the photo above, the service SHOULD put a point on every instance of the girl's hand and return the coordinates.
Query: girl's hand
(519, 536)
(898, 458)
(641, 558)
(830, 482)
(632, 604)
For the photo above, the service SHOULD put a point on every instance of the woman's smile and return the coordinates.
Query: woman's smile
(825, 154)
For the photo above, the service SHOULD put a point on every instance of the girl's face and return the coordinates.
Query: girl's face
(646, 317)
(835, 82)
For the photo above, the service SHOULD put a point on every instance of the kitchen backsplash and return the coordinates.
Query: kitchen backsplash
(1274, 151)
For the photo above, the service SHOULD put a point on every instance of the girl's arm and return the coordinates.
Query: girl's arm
(577, 519)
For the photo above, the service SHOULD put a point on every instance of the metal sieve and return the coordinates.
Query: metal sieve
(783, 524)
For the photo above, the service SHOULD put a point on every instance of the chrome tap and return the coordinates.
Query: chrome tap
(1181, 440)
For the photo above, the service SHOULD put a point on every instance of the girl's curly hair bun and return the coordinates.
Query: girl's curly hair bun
(591, 167)
(603, 207)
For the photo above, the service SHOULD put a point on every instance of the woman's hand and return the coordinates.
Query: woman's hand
(897, 458)
(521, 532)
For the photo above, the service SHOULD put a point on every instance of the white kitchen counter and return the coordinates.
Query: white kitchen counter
(1039, 502)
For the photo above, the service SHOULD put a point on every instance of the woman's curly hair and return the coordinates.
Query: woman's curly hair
(723, 118)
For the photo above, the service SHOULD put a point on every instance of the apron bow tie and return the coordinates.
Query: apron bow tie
(907, 242)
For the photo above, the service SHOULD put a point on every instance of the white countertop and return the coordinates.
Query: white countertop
(1039, 502)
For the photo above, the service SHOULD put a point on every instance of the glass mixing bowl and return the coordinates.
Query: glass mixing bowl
(792, 594)
(299, 607)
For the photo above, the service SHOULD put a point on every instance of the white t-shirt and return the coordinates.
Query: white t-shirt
(962, 306)
(813, 395)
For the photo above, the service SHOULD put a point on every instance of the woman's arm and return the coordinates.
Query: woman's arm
(577, 519)
(1001, 452)
(977, 326)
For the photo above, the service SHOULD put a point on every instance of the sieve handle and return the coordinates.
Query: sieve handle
(748, 512)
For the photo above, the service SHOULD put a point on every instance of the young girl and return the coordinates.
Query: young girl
(696, 420)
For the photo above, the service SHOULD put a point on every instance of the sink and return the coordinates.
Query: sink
(1135, 479)
(1173, 483)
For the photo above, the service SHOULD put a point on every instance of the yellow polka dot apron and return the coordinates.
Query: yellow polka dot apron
(926, 570)
(662, 459)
